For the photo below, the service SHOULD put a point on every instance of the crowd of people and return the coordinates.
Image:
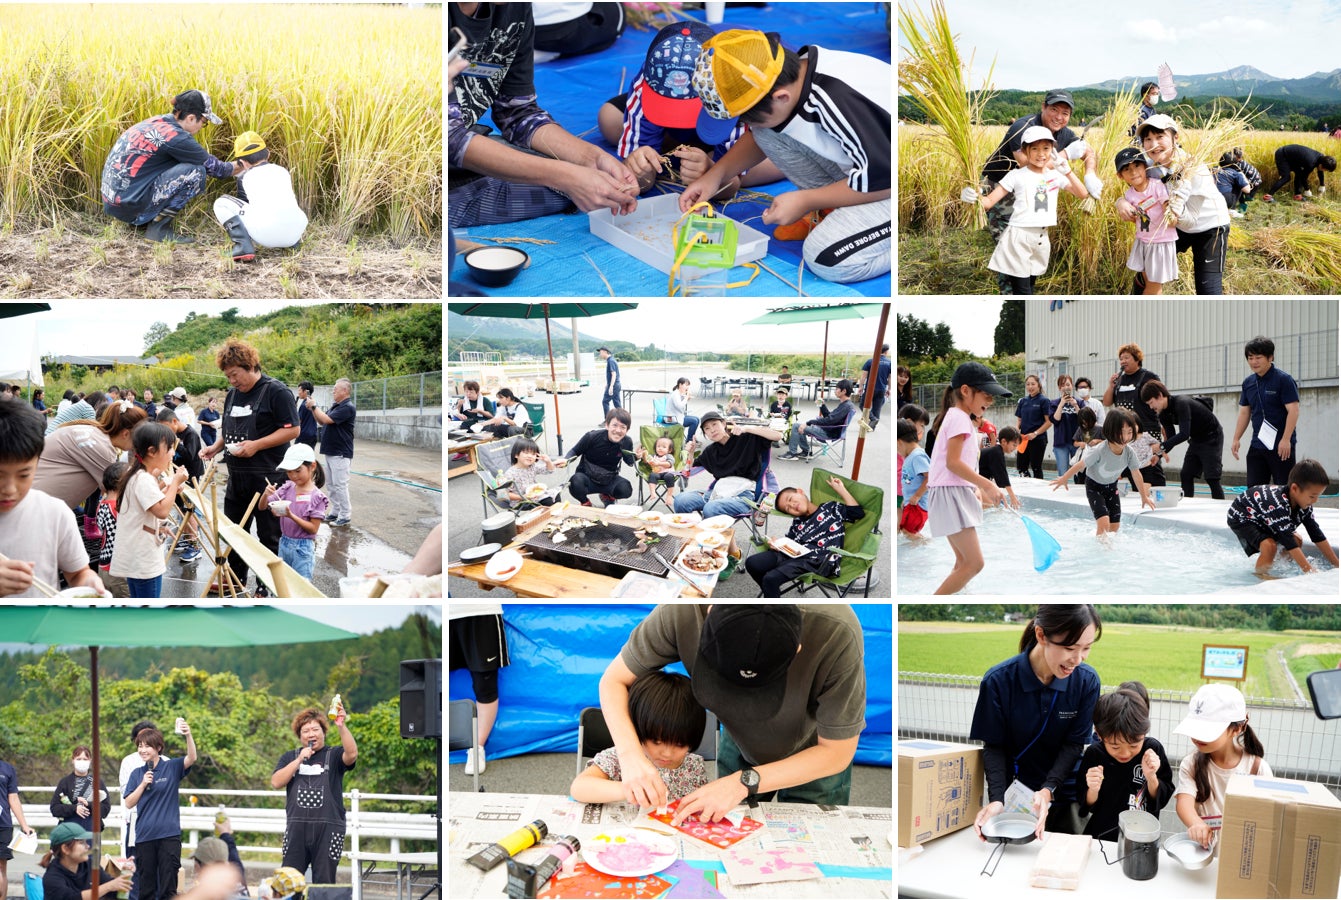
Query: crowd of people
(311, 775)
(102, 477)
(1127, 433)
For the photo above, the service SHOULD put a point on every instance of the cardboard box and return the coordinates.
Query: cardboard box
(1280, 838)
(940, 789)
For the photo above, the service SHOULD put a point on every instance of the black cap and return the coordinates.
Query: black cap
(1128, 155)
(744, 648)
(1059, 97)
(709, 416)
(976, 375)
(606, 349)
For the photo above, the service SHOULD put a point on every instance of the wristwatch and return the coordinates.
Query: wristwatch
(750, 779)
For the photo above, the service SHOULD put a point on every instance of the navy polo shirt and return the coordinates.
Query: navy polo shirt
(338, 437)
(1267, 396)
(1032, 412)
(1014, 707)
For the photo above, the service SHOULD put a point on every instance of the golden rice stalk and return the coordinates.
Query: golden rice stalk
(935, 75)
(1315, 254)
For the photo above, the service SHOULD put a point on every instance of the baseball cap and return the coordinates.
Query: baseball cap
(247, 142)
(196, 103)
(69, 831)
(1158, 121)
(976, 375)
(295, 456)
(1128, 155)
(210, 850)
(1213, 709)
(746, 649)
(667, 92)
(1059, 97)
(735, 70)
(178, 392)
(1037, 133)
(709, 416)
(286, 882)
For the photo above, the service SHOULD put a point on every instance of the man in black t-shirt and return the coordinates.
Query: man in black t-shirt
(602, 450)
(313, 779)
(734, 457)
(258, 423)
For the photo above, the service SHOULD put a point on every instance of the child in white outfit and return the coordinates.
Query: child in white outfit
(265, 212)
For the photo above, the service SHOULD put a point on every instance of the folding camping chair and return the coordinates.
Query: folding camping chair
(647, 437)
(463, 731)
(495, 458)
(827, 447)
(536, 412)
(593, 736)
(861, 540)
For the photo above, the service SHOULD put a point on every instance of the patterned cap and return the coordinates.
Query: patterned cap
(735, 71)
(667, 93)
(286, 882)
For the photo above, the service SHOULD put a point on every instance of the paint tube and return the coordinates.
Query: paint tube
(509, 846)
(526, 880)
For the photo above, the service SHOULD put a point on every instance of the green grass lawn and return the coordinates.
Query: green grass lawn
(1160, 657)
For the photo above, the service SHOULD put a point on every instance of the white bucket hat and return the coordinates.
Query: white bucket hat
(1214, 708)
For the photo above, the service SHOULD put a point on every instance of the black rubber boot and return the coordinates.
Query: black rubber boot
(243, 249)
(161, 230)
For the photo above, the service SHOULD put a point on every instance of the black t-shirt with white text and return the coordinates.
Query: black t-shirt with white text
(255, 414)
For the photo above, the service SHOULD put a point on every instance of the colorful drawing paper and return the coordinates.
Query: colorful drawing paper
(586, 882)
(754, 865)
(720, 834)
(690, 883)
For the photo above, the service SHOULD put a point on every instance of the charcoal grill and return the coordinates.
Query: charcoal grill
(603, 549)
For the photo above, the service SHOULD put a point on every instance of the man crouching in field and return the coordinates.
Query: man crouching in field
(265, 211)
(156, 167)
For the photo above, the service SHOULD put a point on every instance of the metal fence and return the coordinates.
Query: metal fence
(421, 391)
(1298, 744)
(1214, 368)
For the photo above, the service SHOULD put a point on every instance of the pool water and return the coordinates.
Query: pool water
(1136, 559)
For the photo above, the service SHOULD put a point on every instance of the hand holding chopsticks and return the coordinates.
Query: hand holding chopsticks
(7, 577)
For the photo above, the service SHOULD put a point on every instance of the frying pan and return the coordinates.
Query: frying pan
(1003, 829)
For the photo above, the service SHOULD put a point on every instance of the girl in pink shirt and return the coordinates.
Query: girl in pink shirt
(954, 508)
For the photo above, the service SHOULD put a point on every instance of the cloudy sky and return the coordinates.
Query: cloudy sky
(972, 321)
(1038, 45)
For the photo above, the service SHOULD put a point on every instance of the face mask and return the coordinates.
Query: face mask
(1154, 98)
(81, 766)
(1084, 393)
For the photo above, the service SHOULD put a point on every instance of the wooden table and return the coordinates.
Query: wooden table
(538, 578)
(468, 448)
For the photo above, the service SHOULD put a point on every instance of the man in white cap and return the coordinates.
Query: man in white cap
(182, 409)
(1224, 745)
(157, 166)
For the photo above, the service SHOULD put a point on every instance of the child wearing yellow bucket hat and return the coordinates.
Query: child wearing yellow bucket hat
(265, 211)
(824, 118)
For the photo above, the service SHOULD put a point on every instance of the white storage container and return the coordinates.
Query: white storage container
(1166, 496)
(645, 233)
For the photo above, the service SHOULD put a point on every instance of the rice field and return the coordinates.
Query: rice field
(348, 98)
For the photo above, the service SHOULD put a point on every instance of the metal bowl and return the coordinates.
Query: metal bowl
(1010, 828)
(1188, 853)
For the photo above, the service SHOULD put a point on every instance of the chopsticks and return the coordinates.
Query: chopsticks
(43, 588)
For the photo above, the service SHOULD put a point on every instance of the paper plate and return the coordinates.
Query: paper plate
(503, 565)
(629, 852)
(718, 522)
(623, 510)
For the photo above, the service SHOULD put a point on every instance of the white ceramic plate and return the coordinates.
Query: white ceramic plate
(710, 539)
(684, 520)
(503, 565)
(716, 523)
(721, 564)
(623, 510)
(629, 852)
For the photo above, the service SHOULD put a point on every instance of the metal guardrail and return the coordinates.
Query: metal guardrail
(1298, 744)
(421, 391)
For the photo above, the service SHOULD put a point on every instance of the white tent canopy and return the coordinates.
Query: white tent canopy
(19, 359)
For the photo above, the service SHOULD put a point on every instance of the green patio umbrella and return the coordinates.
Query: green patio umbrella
(175, 626)
(795, 315)
(544, 311)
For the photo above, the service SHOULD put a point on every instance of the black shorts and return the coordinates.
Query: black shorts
(476, 643)
(6, 835)
(1104, 500)
(1251, 535)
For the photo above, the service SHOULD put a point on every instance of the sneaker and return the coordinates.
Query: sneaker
(1267, 198)
(261, 590)
(1236, 214)
(338, 522)
(801, 228)
(1308, 194)
(472, 759)
(788, 455)
(731, 563)
(190, 554)
(607, 499)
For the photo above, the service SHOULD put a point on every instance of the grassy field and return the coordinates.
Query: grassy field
(1161, 657)
(1280, 248)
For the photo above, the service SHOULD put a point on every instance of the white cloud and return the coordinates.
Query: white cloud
(1152, 31)
(1232, 27)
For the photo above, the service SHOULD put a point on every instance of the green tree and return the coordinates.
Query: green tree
(157, 332)
(1008, 339)
(1280, 618)
(917, 338)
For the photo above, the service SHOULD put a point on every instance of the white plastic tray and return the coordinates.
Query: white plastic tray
(645, 233)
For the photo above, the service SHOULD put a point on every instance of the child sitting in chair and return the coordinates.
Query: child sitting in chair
(527, 463)
(818, 528)
(662, 463)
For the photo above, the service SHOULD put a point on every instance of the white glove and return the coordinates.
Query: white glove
(1076, 149)
(1093, 185)
(1059, 163)
(968, 195)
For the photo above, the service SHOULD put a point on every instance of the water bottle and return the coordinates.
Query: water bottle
(219, 818)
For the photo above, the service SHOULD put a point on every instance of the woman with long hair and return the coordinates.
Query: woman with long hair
(77, 453)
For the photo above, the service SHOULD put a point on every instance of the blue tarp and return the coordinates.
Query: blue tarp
(572, 90)
(559, 652)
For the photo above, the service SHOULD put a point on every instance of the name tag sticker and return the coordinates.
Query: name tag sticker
(482, 70)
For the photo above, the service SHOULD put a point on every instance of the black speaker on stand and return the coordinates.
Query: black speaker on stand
(421, 717)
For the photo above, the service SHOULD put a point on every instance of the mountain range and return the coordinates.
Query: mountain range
(1244, 80)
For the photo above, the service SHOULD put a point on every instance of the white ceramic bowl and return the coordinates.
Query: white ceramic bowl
(280, 507)
(503, 565)
(233, 447)
(79, 593)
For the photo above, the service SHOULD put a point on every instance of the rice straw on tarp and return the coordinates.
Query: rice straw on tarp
(599, 272)
(516, 240)
(799, 292)
(935, 76)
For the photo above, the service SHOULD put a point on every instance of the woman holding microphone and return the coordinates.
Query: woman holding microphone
(1034, 715)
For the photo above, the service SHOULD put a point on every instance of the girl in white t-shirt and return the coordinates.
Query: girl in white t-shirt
(1217, 724)
(147, 494)
(1022, 253)
(954, 510)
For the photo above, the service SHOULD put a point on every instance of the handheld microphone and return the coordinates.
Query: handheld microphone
(149, 786)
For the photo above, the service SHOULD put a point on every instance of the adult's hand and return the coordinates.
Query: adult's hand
(616, 169)
(208, 452)
(592, 189)
(1042, 803)
(991, 810)
(641, 781)
(245, 450)
(1283, 450)
(16, 577)
(712, 801)
(1234, 448)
